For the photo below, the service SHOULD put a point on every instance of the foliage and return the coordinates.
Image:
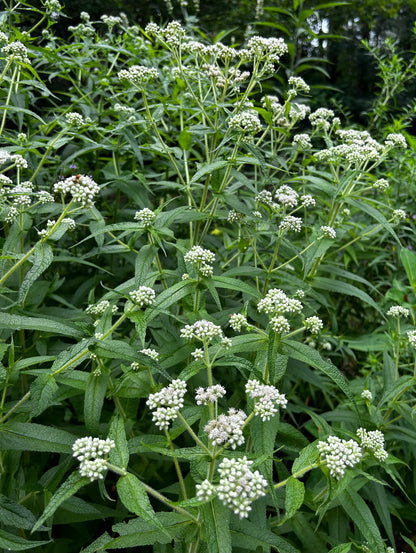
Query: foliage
(208, 343)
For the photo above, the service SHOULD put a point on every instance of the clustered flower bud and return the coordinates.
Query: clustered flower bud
(398, 311)
(267, 399)
(367, 395)
(203, 396)
(91, 453)
(143, 296)
(280, 324)
(138, 74)
(202, 330)
(373, 440)
(201, 259)
(150, 353)
(227, 428)
(303, 140)
(339, 454)
(276, 301)
(237, 320)
(381, 184)
(167, 403)
(245, 122)
(145, 216)
(314, 324)
(74, 119)
(328, 232)
(239, 486)
(291, 223)
(81, 187)
(285, 195)
(205, 491)
(99, 308)
(411, 336)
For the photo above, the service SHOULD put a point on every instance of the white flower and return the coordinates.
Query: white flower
(307, 200)
(201, 259)
(246, 122)
(143, 296)
(203, 396)
(264, 197)
(239, 486)
(238, 320)
(74, 119)
(280, 324)
(17, 51)
(285, 195)
(398, 311)
(399, 214)
(291, 223)
(314, 324)
(411, 336)
(276, 301)
(145, 216)
(81, 187)
(381, 184)
(374, 441)
(150, 353)
(328, 232)
(267, 397)
(299, 84)
(138, 74)
(167, 403)
(98, 309)
(396, 139)
(205, 491)
(367, 395)
(227, 428)
(339, 454)
(202, 330)
(198, 353)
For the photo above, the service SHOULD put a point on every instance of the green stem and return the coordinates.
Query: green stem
(9, 94)
(177, 466)
(194, 436)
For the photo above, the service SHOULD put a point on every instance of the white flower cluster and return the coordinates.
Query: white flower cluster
(411, 336)
(201, 259)
(21, 194)
(298, 85)
(150, 353)
(356, 148)
(237, 320)
(91, 452)
(81, 187)
(270, 49)
(399, 214)
(239, 486)
(367, 395)
(264, 197)
(203, 396)
(234, 216)
(303, 140)
(145, 216)
(44, 197)
(143, 296)
(233, 77)
(16, 51)
(291, 223)
(174, 33)
(280, 324)
(99, 308)
(205, 491)
(138, 74)
(202, 330)
(398, 311)
(19, 161)
(285, 195)
(395, 140)
(276, 301)
(374, 441)
(71, 224)
(111, 20)
(307, 200)
(267, 397)
(74, 119)
(298, 112)
(227, 428)
(381, 184)
(321, 118)
(167, 403)
(314, 324)
(245, 122)
(272, 103)
(328, 232)
(339, 454)
(4, 157)
(53, 5)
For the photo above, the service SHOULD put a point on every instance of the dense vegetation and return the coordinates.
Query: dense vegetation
(208, 333)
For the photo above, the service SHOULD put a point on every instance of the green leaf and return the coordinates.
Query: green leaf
(235, 284)
(132, 494)
(41, 259)
(28, 436)
(99, 544)
(339, 287)
(359, 512)
(341, 548)
(295, 493)
(185, 140)
(216, 518)
(14, 514)
(73, 483)
(208, 168)
(10, 542)
(144, 261)
(42, 390)
(169, 297)
(71, 357)
(247, 535)
(94, 400)
(119, 455)
(312, 358)
(17, 322)
(307, 457)
(408, 258)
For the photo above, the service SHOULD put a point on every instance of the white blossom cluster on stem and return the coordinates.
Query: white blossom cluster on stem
(373, 440)
(276, 301)
(237, 321)
(314, 324)
(267, 399)
(227, 428)
(339, 454)
(145, 217)
(82, 188)
(167, 403)
(92, 452)
(398, 311)
(204, 396)
(138, 74)
(202, 330)
(143, 296)
(239, 486)
(201, 259)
